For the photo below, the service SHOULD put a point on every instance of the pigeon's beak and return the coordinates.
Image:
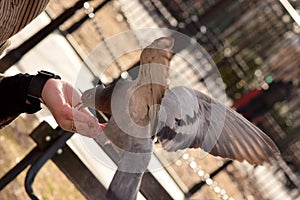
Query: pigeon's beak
(88, 95)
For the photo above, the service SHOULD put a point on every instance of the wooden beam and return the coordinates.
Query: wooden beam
(79, 174)
(152, 189)
(69, 163)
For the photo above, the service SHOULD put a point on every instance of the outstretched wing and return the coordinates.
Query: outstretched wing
(191, 119)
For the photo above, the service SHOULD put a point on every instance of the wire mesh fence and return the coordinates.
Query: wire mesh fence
(255, 46)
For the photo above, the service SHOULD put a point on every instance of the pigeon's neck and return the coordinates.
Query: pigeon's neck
(103, 100)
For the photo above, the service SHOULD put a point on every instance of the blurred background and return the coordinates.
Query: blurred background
(254, 44)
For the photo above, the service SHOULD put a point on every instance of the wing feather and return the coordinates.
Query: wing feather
(211, 126)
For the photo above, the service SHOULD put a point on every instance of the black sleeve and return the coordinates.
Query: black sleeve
(13, 91)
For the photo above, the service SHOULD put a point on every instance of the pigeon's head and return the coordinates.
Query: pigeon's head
(98, 98)
(88, 97)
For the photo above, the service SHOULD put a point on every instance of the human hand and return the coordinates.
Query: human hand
(60, 97)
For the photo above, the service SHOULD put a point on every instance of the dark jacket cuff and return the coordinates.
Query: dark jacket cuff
(14, 94)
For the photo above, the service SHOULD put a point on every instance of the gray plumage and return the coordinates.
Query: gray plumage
(179, 117)
(191, 119)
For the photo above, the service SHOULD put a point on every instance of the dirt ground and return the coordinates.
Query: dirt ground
(15, 143)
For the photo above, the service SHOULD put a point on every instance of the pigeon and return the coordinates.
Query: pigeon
(178, 117)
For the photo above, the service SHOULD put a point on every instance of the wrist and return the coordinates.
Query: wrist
(36, 85)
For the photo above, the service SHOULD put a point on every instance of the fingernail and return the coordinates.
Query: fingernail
(103, 126)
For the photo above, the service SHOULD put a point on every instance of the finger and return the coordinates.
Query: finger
(86, 123)
(83, 115)
(103, 126)
(90, 129)
(70, 119)
(87, 112)
(71, 95)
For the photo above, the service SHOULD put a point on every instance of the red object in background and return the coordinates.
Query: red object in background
(255, 103)
(245, 99)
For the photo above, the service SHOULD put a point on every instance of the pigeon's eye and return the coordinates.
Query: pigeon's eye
(179, 122)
